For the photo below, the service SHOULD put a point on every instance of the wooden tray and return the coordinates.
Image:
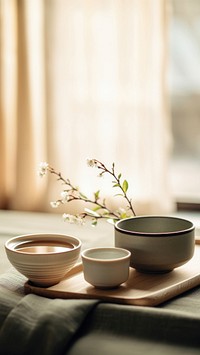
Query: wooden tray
(140, 289)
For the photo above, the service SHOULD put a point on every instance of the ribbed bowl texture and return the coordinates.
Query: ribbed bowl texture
(49, 262)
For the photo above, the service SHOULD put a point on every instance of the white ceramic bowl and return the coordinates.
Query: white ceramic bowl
(106, 267)
(43, 258)
(156, 243)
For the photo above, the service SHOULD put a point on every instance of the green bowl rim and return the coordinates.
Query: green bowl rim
(152, 234)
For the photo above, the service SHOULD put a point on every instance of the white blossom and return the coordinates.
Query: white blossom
(69, 217)
(73, 219)
(43, 167)
(64, 196)
(79, 220)
(91, 162)
(100, 174)
(55, 204)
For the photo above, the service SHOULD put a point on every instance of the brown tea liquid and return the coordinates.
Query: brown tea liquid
(43, 247)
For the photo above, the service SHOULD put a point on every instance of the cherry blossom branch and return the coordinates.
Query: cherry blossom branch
(100, 209)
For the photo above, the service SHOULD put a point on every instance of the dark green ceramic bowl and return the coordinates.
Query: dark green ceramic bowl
(156, 243)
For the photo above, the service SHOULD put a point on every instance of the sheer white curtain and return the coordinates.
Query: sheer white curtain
(90, 82)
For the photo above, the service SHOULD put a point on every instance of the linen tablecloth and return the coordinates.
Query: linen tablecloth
(30, 324)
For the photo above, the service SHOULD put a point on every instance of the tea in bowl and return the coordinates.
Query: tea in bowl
(43, 258)
(156, 243)
(106, 267)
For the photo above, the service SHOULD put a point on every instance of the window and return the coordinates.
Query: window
(184, 79)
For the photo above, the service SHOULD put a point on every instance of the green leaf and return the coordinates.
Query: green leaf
(82, 196)
(91, 212)
(96, 195)
(112, 220)
(123, 215)
(105, 212)
(94, 222)
(116, 185)
(119, 176)
(96, 208)
(125, 186)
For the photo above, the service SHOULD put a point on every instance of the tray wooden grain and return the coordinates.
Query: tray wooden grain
(140, 289)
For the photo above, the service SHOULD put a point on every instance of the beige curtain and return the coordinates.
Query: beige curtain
(84, 79)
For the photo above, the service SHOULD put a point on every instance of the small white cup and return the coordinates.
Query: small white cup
(106, 267)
